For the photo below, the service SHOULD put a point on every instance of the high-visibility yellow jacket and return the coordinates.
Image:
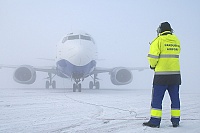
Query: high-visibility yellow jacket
(164, 54)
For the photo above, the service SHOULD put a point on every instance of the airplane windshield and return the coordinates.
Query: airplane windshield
(73, 37)
(85, 37)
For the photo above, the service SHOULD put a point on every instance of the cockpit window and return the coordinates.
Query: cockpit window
(73, 37)
(85, 37)
(64, 39)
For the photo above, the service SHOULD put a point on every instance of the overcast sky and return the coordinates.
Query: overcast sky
(122, 30)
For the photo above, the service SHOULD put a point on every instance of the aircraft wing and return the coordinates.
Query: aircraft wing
(118, 75)
(48, 69)
(8, 66)
(104, 70)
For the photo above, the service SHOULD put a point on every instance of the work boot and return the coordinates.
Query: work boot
(149, 124)
(175, 124)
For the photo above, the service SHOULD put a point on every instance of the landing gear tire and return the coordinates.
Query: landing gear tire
(54, 84)
(91, 84)
(79, 87)
(47, 84)
(97, 85)
(74, 87)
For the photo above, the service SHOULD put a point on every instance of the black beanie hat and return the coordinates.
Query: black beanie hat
(165, 26)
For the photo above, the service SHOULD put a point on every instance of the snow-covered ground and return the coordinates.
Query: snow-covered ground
(90, 111)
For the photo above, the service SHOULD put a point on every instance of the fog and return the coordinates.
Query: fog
(122, 30)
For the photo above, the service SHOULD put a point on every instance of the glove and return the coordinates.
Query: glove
(152, 68)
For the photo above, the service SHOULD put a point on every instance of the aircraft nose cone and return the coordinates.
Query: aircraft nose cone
(79, 55)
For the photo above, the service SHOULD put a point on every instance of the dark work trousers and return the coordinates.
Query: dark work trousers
(156, 103)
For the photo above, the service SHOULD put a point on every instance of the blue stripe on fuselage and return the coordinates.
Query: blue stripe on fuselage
(66, 69)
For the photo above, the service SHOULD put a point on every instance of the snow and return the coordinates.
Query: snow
(34, 110)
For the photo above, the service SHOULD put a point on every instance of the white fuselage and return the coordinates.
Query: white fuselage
(76, 56)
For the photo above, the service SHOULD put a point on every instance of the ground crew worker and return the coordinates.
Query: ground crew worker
(163, 58)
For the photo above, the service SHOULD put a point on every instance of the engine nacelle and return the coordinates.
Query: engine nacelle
(121, 76)
(25, 75)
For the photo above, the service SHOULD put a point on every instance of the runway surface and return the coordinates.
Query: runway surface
(39, 110)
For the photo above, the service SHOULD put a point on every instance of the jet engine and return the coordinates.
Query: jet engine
(25, 75)
(121, 76)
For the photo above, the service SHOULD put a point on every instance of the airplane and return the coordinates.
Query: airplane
(76, 58)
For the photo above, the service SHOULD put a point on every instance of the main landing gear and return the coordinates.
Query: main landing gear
(50, 82)
(94, 83)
